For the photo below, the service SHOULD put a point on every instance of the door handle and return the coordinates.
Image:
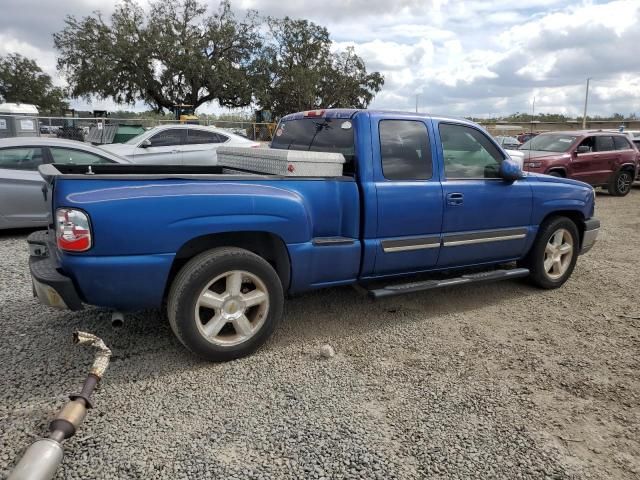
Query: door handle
(455, 199)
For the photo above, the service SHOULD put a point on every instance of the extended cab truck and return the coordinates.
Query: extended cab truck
(418, 194)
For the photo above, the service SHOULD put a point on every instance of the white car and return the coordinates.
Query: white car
(181, 144)
(517, 155)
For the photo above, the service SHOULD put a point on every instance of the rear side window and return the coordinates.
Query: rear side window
(168, 138)
(404, 150)
(621, 143)
(468, 153)
(604, 144)
(76, 157)
(25, 158)
(196, 137)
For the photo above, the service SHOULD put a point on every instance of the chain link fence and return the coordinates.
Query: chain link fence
(100, 130)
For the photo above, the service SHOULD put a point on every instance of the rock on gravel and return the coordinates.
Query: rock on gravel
(487, 381)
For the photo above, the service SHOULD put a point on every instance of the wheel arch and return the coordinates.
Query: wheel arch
(576, 216)
(264, 244)
(561, 170)
(628, 167)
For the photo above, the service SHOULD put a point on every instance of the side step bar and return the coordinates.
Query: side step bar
(490, 276)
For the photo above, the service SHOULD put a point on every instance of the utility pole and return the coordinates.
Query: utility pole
(417, 96)
(533, 115)
(586, 101)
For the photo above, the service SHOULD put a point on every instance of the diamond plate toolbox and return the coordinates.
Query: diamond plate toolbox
(289, 163)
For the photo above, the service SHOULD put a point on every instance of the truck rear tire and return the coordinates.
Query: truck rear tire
(225, 303)
(620, 183)
(554, 253)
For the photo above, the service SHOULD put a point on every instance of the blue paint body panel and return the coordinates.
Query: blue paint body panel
(139, 224)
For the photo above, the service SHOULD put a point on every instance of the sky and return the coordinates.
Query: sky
(465, 58)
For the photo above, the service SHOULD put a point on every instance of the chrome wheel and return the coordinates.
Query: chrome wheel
(624, 182)
(232, 308)
(558, 254)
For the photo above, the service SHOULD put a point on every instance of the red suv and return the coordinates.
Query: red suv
(602, 159)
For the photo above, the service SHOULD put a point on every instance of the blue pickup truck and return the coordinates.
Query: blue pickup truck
(424, 202)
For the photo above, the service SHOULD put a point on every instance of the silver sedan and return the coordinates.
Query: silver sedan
(22, 202)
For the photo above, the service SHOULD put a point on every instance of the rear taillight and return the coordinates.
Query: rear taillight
(73, 233)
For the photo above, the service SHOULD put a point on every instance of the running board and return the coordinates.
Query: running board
(490, 276)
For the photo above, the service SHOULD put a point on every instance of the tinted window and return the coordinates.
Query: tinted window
(195, 137)
(26, 158)
(621, 143)
(604, 144)
(589, 142)
(468, 153)
(317, 135)
(168, 138)
(76, 157)
(405, 150)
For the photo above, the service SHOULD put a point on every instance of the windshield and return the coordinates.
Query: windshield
(317, 135)
(135, 140)
(549, 143)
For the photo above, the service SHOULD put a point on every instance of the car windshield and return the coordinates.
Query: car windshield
(136, 139)
(549, 143)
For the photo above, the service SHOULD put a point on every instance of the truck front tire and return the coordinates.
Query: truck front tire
(225, 303)
(554, 253)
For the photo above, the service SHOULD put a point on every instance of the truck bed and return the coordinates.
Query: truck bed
(163, 171)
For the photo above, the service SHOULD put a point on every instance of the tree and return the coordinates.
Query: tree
(175, 54)
(23, 81)
(296, 70)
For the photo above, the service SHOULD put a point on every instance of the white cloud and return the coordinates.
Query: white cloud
(464, 58)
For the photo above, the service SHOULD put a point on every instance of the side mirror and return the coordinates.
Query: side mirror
(510, 170)
(145, 144)
(583, 149)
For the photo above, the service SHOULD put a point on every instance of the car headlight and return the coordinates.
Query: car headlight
(533, 164)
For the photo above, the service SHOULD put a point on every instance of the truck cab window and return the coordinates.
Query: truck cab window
(404, 150)
(468, 153)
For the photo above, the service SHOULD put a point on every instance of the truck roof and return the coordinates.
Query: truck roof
(351, 112)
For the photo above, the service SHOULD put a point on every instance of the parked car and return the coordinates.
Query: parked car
(178, 145)
(417, 194)
(508, 142)
(601, 159)
(22, 203)
(634, 136)
(524, 137)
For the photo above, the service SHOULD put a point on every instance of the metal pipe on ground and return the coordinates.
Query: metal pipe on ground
(41, 460)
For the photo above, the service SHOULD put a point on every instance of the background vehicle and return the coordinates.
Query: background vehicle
(602, 159)
(508, 142)
(524, 137)
(418, 194)
(178, 145)
(22, 203)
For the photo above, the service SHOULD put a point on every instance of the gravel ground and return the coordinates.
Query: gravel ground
(498, 380)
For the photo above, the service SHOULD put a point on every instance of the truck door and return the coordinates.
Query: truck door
(409, 196)
(486, 219)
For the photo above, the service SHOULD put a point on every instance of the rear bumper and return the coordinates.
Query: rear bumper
(591, 230)
(50, 286)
